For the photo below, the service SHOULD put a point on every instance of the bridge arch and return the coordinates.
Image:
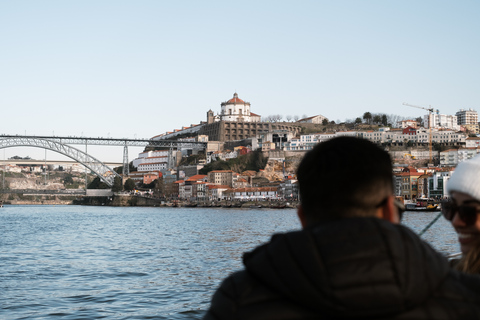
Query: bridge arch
(104, 172)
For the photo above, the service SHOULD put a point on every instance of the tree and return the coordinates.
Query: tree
(98, 184)
(117, 184)
(129, 185)
(419, 121)
(257, 161)
(289, 117)
(68, 179)
(377, 119)
(325, 121)
(393, 119)
(358, 120)
(367, 117)
(384, 120)
(295, 118)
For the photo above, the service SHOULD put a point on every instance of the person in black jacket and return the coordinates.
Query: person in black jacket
(351, 259)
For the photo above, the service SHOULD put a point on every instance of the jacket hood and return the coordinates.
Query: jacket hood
(352, 267)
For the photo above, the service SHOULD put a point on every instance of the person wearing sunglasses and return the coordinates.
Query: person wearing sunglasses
(463, 211)
(352, 258)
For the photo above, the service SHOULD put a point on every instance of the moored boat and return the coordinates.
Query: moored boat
(422, 204)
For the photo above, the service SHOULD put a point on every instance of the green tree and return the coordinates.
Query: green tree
(117, 184)
(98, 184)
(384, 120)
(68, 179)
(377, 119)
(257, 160)
(129, 185)
(419, 121)
(358, 120)
(367, 117)
(325, 122)
(215, 165)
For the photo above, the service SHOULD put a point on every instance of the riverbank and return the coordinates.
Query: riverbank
(140, 201)
(121, 200)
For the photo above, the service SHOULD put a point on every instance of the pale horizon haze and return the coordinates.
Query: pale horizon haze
(136, 69)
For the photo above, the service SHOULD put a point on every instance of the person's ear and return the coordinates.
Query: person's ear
(301, 216)
(388, 211)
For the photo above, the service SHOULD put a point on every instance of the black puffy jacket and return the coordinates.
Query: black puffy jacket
(362, 268)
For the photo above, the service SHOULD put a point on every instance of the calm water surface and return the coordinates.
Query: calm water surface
(75, 262)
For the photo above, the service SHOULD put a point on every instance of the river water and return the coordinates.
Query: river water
(77, 262)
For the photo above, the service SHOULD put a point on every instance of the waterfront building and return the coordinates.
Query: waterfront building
(406, 183)
(288, 189)
(437, 184)
(152, 160)
(193, 188)
(222, 177)
(252, 193)
(151, 176)
(216, 192)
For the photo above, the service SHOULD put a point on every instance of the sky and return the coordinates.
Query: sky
(137, 69)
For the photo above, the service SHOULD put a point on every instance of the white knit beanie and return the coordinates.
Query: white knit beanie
(466, 178)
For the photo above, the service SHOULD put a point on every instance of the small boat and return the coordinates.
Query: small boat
(422, 204)
(190, 205)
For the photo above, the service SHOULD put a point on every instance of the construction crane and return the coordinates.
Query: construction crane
(430, 111)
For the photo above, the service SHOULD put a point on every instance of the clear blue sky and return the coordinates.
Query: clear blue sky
(140, 68)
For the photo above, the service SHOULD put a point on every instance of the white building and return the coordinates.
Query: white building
(469, 116)
(444, 137)
(153, 160)
(315, 119)
(437, 184)
(472, 142)
(408, 123)
(441, 121)
(452, 157)
(236, 109)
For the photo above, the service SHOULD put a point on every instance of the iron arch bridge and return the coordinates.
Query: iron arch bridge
(105, 173)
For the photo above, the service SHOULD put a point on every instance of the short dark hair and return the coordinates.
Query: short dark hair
(344, 177)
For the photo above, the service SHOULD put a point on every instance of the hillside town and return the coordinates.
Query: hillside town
(247, 157)
(425, 152)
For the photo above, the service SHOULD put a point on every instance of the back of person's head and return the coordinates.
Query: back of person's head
(344, 177)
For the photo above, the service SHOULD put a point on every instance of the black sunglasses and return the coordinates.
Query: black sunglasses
(467, 213)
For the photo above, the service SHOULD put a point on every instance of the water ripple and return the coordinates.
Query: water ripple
(73, 262)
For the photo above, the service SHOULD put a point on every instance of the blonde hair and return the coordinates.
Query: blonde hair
(470, 262)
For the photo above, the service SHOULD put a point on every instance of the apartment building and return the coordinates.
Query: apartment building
(222, 177)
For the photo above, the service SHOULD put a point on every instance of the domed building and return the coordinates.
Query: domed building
(236, 109)
(236, 122)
